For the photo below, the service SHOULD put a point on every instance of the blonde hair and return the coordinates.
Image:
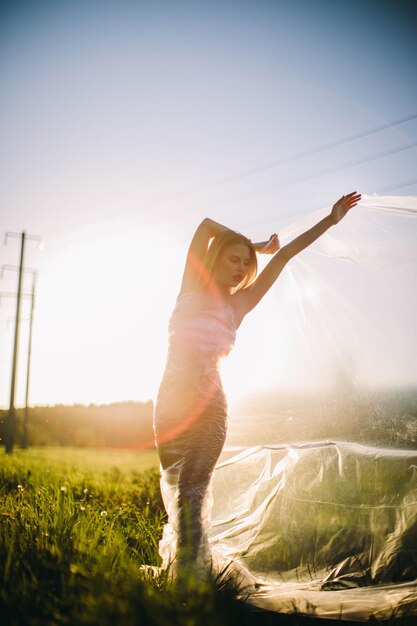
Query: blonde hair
(217, 247)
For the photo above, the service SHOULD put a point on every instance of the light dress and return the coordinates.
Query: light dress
(190, 422)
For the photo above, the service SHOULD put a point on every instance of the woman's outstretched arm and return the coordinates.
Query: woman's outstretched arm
(268, 276)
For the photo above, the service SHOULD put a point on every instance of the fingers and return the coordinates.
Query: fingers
(343, 206)
(354, 200)
(272, 245)
(351, 199)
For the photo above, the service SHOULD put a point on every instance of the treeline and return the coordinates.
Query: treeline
(123, 424)
(385, 418)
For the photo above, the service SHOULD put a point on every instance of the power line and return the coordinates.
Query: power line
(352, 164)
(312, 151)
(409, 183)
(241, 196)
(277, 162)
(252, 171)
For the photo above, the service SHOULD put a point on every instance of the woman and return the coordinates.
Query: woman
(219, 287)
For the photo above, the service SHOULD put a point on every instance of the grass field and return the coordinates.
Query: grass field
(101, 460)
(76, 528)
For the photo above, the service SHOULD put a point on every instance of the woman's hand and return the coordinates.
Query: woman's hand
(343, 205)
(271, 246)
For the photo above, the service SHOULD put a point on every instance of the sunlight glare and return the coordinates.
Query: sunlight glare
(118, 292)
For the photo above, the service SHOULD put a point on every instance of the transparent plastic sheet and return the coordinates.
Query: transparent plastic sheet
(325, 529)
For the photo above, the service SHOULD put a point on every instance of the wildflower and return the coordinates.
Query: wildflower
(82, 508)
(103, 513)
(20, 488)
(63, 489)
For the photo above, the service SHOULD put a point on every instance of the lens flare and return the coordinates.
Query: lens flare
(190, 403)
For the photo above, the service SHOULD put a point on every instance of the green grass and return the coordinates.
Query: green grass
(86, 459)
(76, 528)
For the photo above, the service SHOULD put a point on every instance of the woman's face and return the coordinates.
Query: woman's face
(232, 266)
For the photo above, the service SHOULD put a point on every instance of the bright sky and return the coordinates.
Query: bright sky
(124, 123)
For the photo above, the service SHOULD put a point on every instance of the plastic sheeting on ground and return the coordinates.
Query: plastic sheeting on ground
(326, 529)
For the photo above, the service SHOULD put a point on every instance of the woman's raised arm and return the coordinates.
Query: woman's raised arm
(268, 276)
(199, 245)
(197, 250)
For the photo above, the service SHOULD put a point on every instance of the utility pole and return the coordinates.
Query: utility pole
(26, 418)
(10, 425)
(14, 268)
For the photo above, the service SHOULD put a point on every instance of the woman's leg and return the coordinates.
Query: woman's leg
(188, 460)
(204, 444)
